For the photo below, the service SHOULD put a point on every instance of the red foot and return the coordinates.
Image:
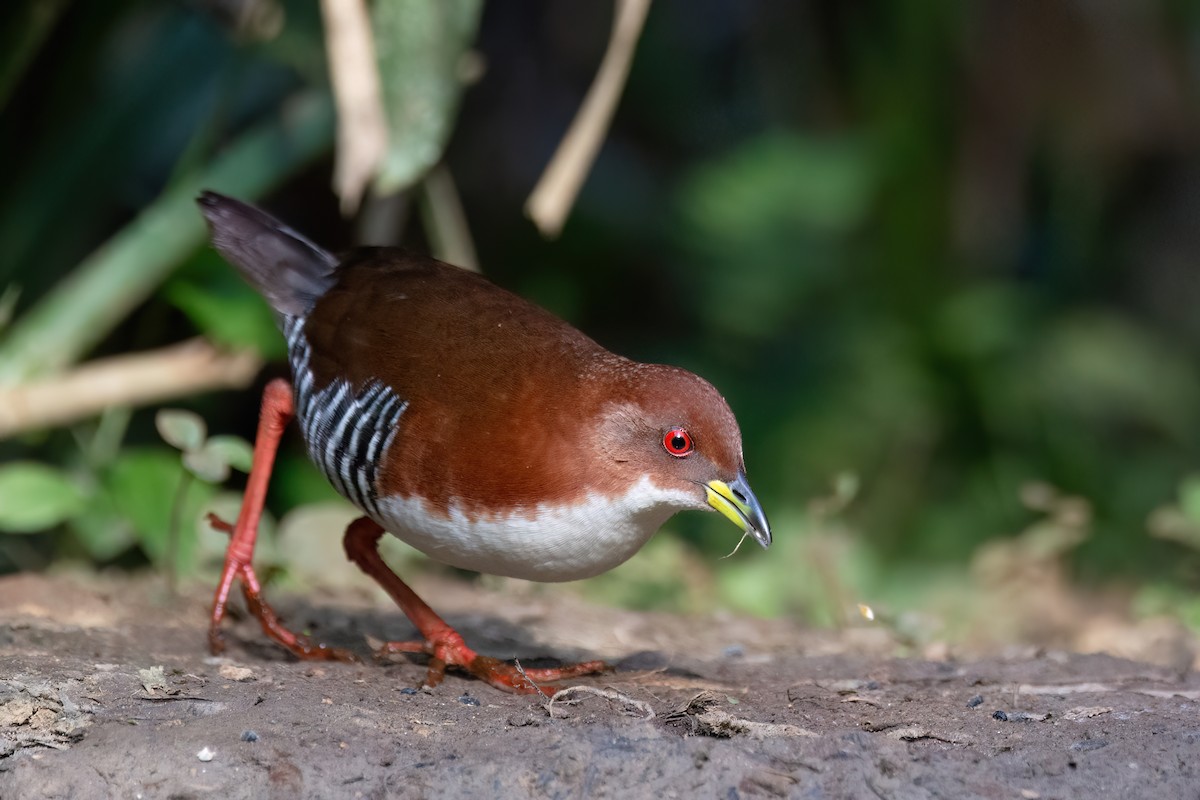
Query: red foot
(442, 643)
(452, 651)
(298, 645)
(277, 411)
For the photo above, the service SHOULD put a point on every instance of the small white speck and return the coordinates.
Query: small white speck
(205, 755)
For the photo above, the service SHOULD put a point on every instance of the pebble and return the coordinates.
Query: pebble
(975, 701)
(249, 736)
(235, 673)
(205, 755)
(467, 700)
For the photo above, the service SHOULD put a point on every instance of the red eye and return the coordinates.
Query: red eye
(678, 442)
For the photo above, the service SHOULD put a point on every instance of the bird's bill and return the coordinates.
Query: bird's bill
(740, 506)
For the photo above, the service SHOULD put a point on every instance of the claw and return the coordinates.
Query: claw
(451, 651)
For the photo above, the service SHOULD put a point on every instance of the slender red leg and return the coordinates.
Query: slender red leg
(444, 645)
(277, 411)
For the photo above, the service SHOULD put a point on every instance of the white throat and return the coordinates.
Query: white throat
(549, 543)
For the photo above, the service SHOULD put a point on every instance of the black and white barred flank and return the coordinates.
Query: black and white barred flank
(346, 432)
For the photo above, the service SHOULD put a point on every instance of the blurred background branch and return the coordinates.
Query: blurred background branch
(362, 130)
(552, 198)
(130, 380)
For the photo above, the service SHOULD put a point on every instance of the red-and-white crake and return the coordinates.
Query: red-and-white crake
(475, 426)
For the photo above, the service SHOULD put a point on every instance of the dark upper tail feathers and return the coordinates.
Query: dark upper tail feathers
(287, 269)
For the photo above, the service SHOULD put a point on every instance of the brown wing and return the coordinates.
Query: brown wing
(477, 366)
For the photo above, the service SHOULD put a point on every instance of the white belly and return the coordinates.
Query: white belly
(559, 543)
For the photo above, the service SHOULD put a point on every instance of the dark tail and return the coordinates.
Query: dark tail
(287, 269)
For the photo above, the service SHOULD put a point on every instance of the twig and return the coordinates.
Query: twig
(128, 380)
(555, 192)
(563, 695)
(362, 134)
(737, 546)
(533, 684)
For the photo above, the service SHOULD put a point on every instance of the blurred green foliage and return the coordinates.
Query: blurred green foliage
(947, 248)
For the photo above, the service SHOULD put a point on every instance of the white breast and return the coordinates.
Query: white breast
(549, 543)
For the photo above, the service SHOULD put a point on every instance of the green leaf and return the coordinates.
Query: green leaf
(103, 532)
(144, 485)
(207, 465)
(763, 204)
(1189, 498)
(233, 450)
(296, 481)
(825, 184)
(224, 308)
(420, 46)
(183, 430)
(212, 461)
(34, 497)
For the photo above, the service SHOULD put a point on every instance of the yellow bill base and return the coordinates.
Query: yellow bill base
(721, 498)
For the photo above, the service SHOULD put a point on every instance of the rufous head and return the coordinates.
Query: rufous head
(675, 428)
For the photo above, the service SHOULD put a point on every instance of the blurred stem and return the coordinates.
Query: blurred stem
(8, 304)
(185, 482)
(126, 269)
(100, 444)
(445, 220)
(29, 34)
(383, 218)
(551, 200)
(354, 72)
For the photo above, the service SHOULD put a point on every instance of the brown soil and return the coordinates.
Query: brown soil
(700, 708)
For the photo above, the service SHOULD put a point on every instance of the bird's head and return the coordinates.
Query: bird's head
(675, 428)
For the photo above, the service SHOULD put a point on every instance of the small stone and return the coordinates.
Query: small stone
(523, 719)
(467, 700)
(232, 673)
(206, 755)
(734, 651)
(408, 690)
(1000, 715)
(975, 701)
(249, 736)
(152, 679)
(1085, 745)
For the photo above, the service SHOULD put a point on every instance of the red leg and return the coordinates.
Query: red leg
(277, 411)
(444, 645)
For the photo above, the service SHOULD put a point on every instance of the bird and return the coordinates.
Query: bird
(475, 426)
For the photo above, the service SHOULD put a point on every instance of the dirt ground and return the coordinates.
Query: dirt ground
(107, 690)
